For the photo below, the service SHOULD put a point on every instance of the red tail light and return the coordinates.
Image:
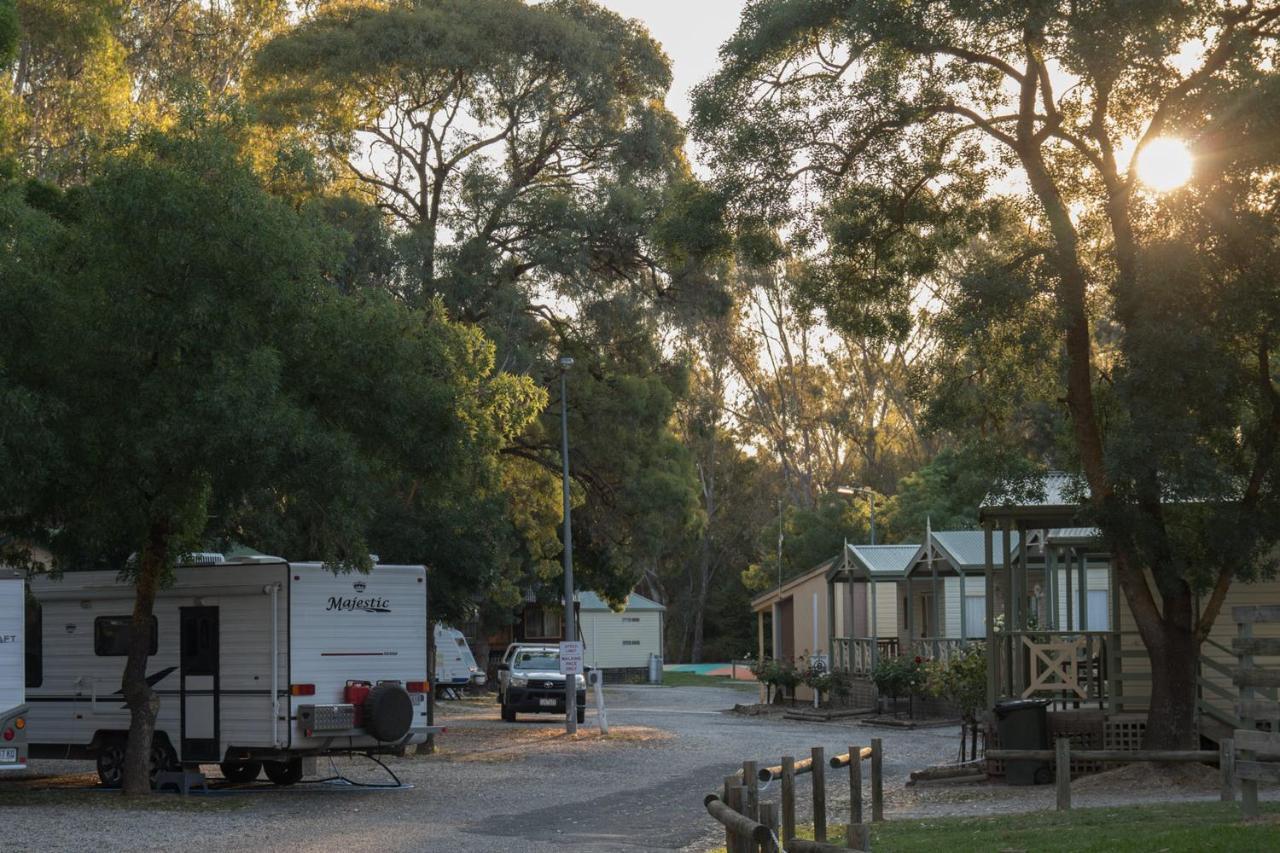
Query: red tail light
(302, 689)
(416, 686)
(8, 734)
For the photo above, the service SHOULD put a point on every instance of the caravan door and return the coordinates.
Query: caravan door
(198, 671)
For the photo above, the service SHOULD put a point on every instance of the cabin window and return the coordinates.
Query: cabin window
(975, 615)
(34, 651)
(111, 636)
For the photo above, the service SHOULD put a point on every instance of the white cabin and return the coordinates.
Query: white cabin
(620, 641)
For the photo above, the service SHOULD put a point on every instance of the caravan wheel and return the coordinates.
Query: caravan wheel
(111, 760)
(284, 772)
(111, 764)
(240, 772)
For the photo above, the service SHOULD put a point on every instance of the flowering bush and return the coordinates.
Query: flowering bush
(778, 677)
(898, 676)
(961, 680)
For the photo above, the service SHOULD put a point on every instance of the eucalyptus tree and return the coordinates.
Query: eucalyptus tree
(177, 365)
(536, 184)
(879, 135)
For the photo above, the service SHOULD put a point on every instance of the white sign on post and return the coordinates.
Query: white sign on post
(571, 658)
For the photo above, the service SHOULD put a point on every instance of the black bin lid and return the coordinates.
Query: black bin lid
(1008, 706)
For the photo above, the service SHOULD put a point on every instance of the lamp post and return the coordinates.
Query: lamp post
(871, 499)
(570, 631)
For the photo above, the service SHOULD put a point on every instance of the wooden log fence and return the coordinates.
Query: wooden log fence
(752, 824)
(1062, 754)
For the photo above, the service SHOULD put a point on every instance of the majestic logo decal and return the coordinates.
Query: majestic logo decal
(548, 684)
(359, 586)
(368, 605)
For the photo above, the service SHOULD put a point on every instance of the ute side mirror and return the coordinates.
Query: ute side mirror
(502, 667)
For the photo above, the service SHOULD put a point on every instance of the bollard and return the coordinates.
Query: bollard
(819, 795)
(877, 780)
(736, 797)
(788, 799)
(1062, 766)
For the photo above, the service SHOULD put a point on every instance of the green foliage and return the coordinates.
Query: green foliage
(925, 155)
(960, 680)
(898, 676)
(533, 182)
(9, 32)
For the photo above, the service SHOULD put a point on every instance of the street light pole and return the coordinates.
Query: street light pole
(570, 631)
(871, 499)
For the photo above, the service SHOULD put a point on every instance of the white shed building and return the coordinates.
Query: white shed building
(617, 641)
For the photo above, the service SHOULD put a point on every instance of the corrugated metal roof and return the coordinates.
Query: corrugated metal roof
(966, 548)
(883, 559)
(1075, 534)
(635, 601)
(787, 583)
(1054, 489)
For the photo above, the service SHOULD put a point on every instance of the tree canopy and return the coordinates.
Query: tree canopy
(983, 158)
(184, 368)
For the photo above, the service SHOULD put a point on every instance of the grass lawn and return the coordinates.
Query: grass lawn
(673, 678)
(1128, 829)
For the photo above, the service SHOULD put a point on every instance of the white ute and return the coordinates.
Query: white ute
(257, 662)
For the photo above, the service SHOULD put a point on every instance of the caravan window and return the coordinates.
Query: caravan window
(111, 636)
(34, 643)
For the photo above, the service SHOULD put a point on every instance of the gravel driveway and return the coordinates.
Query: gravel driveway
(496, 786)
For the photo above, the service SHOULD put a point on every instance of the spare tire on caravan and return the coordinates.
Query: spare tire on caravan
(258, 664)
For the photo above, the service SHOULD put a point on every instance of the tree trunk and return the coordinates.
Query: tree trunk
(695, 652)
(1174, 652)
(142, 701)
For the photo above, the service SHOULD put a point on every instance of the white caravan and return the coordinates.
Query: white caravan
(455, 665)
(257, 663)
(13, 709)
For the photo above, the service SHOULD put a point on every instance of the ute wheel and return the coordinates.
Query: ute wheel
(508, 713)
(240, 772)
(111, 763)
(582, 716)
(284, 772)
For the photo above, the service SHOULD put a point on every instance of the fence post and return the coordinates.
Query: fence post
(819, 772)
(858, 837)
(855, 784)
(788, 799)
(877, 780)
(1062, 764)
(751, 805)
(1227, 767)
(769, 817)
(732, 787)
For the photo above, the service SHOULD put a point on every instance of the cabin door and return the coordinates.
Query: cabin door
(199, 673)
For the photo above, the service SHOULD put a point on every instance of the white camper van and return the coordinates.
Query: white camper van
(13, 710)
(455, 665)
(257, 662)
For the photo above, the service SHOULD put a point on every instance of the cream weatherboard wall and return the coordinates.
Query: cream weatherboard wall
(622, 640)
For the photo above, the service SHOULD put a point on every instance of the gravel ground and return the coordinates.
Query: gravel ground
(495, 786)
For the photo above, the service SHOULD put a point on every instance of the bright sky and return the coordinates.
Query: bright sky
(691, 32)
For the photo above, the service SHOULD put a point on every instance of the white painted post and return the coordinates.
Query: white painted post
(815, 640)
(597, 678)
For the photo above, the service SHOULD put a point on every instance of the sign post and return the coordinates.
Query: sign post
(571, 668)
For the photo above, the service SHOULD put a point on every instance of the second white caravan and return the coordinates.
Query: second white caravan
(257, 663)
